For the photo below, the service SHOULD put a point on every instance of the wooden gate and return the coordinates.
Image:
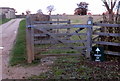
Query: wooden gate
(71, 39)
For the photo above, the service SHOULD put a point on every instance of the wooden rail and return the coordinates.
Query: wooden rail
(107, 43)
(106, 25)
(50, 22)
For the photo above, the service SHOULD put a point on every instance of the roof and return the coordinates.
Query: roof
(6, 8)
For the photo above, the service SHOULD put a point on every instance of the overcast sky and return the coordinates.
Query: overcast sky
(61, 6)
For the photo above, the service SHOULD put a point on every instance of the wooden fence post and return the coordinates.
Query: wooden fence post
(89, 37)
(68, 29)
(29, 40)
(32, 39)
(58, 18)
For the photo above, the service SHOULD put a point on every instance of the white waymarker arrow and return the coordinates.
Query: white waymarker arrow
(97, 50)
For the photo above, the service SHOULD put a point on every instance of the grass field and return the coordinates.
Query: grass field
(76, 19)
(72, 67)
(2, 21)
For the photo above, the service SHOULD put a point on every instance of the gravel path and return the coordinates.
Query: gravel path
(8, 33)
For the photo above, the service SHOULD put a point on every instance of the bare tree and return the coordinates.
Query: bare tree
(28, 12)
(110, 18)
(39, 11)
(117, 19)
(110, 4)
(50, 8)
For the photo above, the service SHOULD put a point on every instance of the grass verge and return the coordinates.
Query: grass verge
(2, 21)
(79, 68)
(18, 54)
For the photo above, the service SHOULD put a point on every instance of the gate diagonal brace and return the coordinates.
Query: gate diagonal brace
(73, 33)
(55, 37)
(76, 32)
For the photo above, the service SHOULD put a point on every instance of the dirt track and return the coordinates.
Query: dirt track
(8, 33)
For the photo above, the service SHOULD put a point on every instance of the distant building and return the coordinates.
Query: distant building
(6, 12)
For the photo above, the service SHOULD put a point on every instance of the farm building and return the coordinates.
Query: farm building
(6, 12)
